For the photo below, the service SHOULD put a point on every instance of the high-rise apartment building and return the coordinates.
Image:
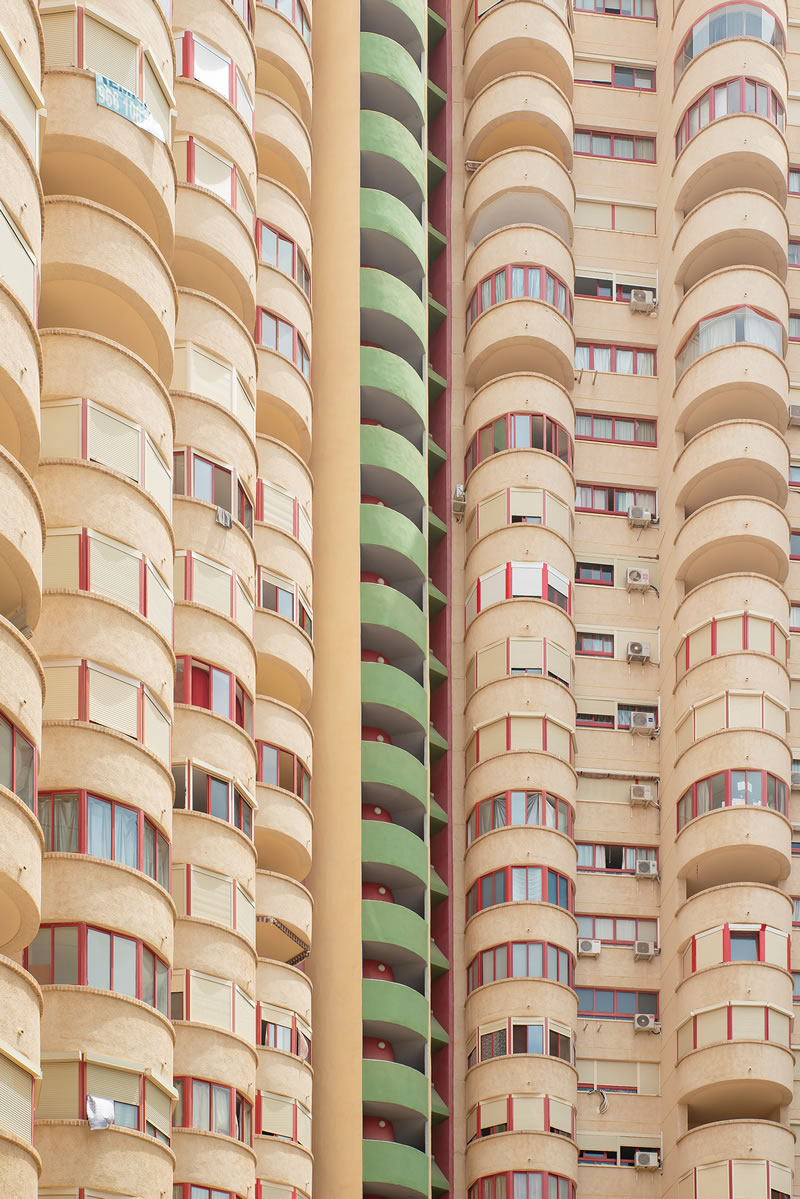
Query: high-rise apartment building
(498, 301)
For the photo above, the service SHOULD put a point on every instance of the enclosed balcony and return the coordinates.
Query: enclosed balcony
(519, 109)
(518, 36)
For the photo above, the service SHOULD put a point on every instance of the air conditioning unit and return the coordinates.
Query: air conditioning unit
(641, 792)
(636, 579)
(646, 869)
(638, 651)
(639, 518)
(794, 414)
(646, 1159)
(588, 949)
(643, 722)
(642, 300)
(643, 951)
(224, 518)
(642, 1022)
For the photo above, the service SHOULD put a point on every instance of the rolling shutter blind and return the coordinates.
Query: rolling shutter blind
(525, 653)
(113, 702)
(114, 570)
(156, 101)
(304, 529)
(61, 560)
(493, 513)
(525, 732)
(212, 585)
(58, 1098)
(210, 378)
(708, 948)
(528, 1113)
(493, 588)
(472, 1125)
(526, 501)
(245, 408)
(17, 266)
(649, 1082)
(527, 579)
(709, 717)
(780, 1179)
(113, 442)
(16, 1099)
(180, 359)
(749, 1180)
(774, 717)
(210, 1001)
(589, 70)
(712, 1181)
(276, 1015)
(779, 1027)
(558, 516)
(729, 634)
(158, 1107)
(491, 663)
(270, 1190)
(246, 915)
(593, 214)
(105, 1081)
(212, 172)
(775, 945)
(276, 1115)
(179, 577)
(244, 609)
(61, 430)
(558, 662)
(61, 694)
(157, 477)
(179, 887)
(561, 1116)
(159, 603)
(700, 644)
(747, 1023)
(156, 729)
(634, 220)
(212, 896)
(278, 507)
(59, 38)
(558, 741)
(744, 711)
(713, 1026)
(493, 739)
(16, 102)
(109, 53)
(303, 1126)
(245, 1016)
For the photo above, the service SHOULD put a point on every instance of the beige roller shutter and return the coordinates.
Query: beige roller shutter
(16, 1099)
(708, 949)
(58, 1098)
(780, 1025)
(114, 442)
(526, 501)
(245, 408)
(780, 1178)
(110, 53)
(472, 1125)
(558, 662)
(305, 533)
(157, 477)
(212, 585)
(276, 1015)
(61, 430)
(158, 1107)
(114, 570)
(277, 1116)
(560, 1115)
(212, 896)
(17, 264)
(712, 1026)
(278, 508)
(210, 1001)
(61, 693)
(61, 559)
(749, 1180)
(700, 644)
(528, 1113)
(105, 1081)
(113, 702)
(179, 886)
(649, 1080)
(616, 1073)
(244, 609)
(525, 653)
(686, 1038)
(179, 577)
(180, 359)
(747, 1022)
(492, 739)
(271, 1190)
(156, 729)
(493, 588)
(684, 733)
(774, 717)
(775, 946)
(525, 732)
(686, 1186)
(246, 916)
(587, 1070)
(156, 99)
(159, 603)
(595, 706)
(590, 70)
(491, 663)
(210, 378)
(245, 1016)
(629, 219)
(212, 172)
(709, 717)
(729, 634)
(16, 102)
(593, 214)
(712, 1181)
(493, 513)
(303, 1126)
(60, 30)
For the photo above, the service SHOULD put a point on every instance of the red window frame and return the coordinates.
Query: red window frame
(635, 420)
(776, 113)
(300, 356)
(295, 1104)
(794, 191)
(794, 252)
(688, 801)
(241, 507)
(143, 1125)
(600, 9)
(677, 74)
(185, 70)
(795, 986)
(186, 1103)
(240, 810)
(794, 544)
(547, 802)
(547, 592)
(728, 1024)
(615, 939)
(794, 608)
(83, 930)
(508, 1124)
(475, 968)
(584, 650)
(188, 557)
(555, 439)
(476, 306)
(595, 845)
(301, 775)
(183, 1190)
(14, 783)
(296, 1038)
(611, 499)
(601, 566)
(300, 272)
(85, 537)
(143, 824)
(615, 66)
(488, 1188)
(299, 18)
(190, 690)
(794, 317)
(615, 1014)
(752, 932)
(634, 137)
(236, 178)
(595, 720)
(476, 895)
(635, 350)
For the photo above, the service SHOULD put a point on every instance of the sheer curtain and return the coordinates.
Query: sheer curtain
(201, 1105)
(762, 332)
(126, 840)
(600, 857)
(65, 821)
(99, 821)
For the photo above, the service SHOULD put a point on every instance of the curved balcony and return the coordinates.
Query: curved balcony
(393, 547)
(393, 469)
(397, 936)
(112, 896)
(284, 403)
(517, 335)
(88, 149)
(520, 693)
(392, 623)
(284, 147)
(124, 1158)
(286, 556)
(403, 22)
(285, 210)
(739, 747)
(543, 771)
(519, 843)
(519, 186)
(283, 1163)
(208, 323)
(214, 251)
(519, 110)
(287, 907)
(514, 543)
(542, 473)
(519, 920)
(202, 943)
(205, 841)
(283, 53)
(20, 379)
(20, 857)
(222, 127)
(398, 1014)
(278, 293)
(392, 316)
(494, 1001)
(20, 1010)
(726, 1140)
(749, 1078)
(518, 36)
(82, 285)
(216, 740)
(280, 1071)
(394, 1091)
(393, 778)
(736, 382)
(395, 858)
(214, 431)
(392, 700)
(740, 151)
(285, 660)
(386, 1163)
(391, 82)
(550, 1151)
(725, 535)
(513, 393)
(512, 1073)
(280, 465)
(283, 823)
(21, 542)
(731, 229)
(393, 393)
(196, 528)
(218, 21)
(525, 244)
(710, 299)
(285, 985)
(21, 188)
(392, 159)
(733, 901)
(732, 458)
(392, 239)
(211, 1160)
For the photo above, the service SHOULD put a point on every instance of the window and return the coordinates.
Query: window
(614, 500)
(515, 1184)
(618, 930)
(205, 686)
(794, 253)
(729, 21)
(615, 145)
(18, 102)
(279, 1028)
(598, 573)
(615, 74)
(82, 955)
(519, 431)
(729, 328)
(794, 181)
(625, 1077)
(594, 720)
(520, 959)
(213, 794)
(518, 283)
(732, 788)
(199, 164)
(522, 1113)
(622, 218)
(725, 99)
(276, 506)
(18, 763)
(597, 645)
(199, 372)
(532, 884)
(615, 359)
(205, 479)
(207, 999)
(278, 250)
(613, 859)
(737, 943)
(210, 1107)
(795, 986)
(295, 12)
(203, 581)
(794, 330)
(281, 595)
(728, 634)
(209, 895)
(794, 617)
(273, 333)
(519, 808)
(279, 767)
(794, 544)
(629, 430)
(519, 580)
(198, 60)
(282, 1117)
(625, 712)
(79, 822)
(615, 1005)
(190, 1190)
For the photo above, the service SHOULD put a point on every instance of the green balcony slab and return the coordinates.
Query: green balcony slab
(386, 137)
(436, 598)
(438, 816)
(436, 99)
(436, 527)
(437, 28)
(389, 451)
(436, 669)
(398, 1171)
(390, 924)
(386, 373)
(439, 888)
(393, 768)
(436, 456)
(438, 744)
(383, 213)
(384, 607)
(439, 1109)
(393, 531)
(396, 1005)
(436, 171)
(436, 384)
(439, 962)
(401, 1089)
(439, 1037)
(392, 845)
(385, 686)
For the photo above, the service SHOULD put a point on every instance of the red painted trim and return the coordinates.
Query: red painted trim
(80, 40)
